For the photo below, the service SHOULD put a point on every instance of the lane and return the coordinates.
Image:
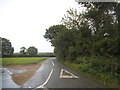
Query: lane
(7, 81)
(40, 76)
(53, 74)
(53, 63)
(43, 85)
(82, 82)
(38, 79)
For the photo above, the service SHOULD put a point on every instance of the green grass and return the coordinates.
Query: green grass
(103, 78)
(21, 60)
(0, 61)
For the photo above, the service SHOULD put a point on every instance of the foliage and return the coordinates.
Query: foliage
(38, 55)
(107, 47)
(94, 68)
(32, 51)
(6, 45)
(91, 39)
(23, 51)
(94, 32)
(53, 31)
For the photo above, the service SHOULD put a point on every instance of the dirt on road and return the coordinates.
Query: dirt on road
(21, 78)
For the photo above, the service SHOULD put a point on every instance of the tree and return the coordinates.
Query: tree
(0, 47)
(7, 48)
(23, 51)
(53, 31)
(32, 50)
(53, 34)
(91, 39)
(62, 42)
(87, 33)
(72, 19)
(103, 18)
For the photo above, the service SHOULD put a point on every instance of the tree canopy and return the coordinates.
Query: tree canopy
(94, 32)
(6, 45)
(28, 51)
(23, 51)
(32, 50)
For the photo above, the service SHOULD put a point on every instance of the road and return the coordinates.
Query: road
(7, 81)
(53, 74)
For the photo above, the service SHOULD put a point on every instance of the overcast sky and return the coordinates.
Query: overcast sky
(24, 22)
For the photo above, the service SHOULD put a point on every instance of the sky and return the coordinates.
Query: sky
(24, 22)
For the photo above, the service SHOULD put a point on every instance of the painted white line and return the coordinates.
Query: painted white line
(53, 63)
(8, 71)
(61, 73)
(71, 74)
(42, 86)
(29, 87)
(67, 76)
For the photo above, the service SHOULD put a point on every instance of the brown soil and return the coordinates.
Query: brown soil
(21, 78)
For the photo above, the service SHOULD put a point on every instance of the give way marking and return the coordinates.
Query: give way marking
(65, 74)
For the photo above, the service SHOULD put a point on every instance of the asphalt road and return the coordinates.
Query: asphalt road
(53, 74)
(7, 81)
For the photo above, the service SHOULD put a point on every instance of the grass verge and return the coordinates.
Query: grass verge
(21, 60)
(104, 78)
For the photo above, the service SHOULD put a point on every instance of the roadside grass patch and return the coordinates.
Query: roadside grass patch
(21, 60)
(93, 69)
(0, 61)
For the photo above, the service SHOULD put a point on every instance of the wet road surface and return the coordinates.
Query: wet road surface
(7, 81)
(53, 74)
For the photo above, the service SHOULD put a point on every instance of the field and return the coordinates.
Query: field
(21, 60)
(0, 61)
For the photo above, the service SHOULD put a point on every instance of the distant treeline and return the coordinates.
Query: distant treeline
(38, 55)
(7, 50)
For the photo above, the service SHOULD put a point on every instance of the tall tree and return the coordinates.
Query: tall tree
(53, 31)
(23, 51)
(7, 48)
(72, 19)
(103, 18)
(32, 50)
(88, 33)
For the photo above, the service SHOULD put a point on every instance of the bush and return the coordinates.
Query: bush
(39, 55)
(81, 60)
(107, 47)
(85, 67)
(71, 53)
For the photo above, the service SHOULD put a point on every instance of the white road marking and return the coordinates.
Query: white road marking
(29, 87)
(61, 73)
(8, 71)
(42, 86)
(53, 63)
(67, 76)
